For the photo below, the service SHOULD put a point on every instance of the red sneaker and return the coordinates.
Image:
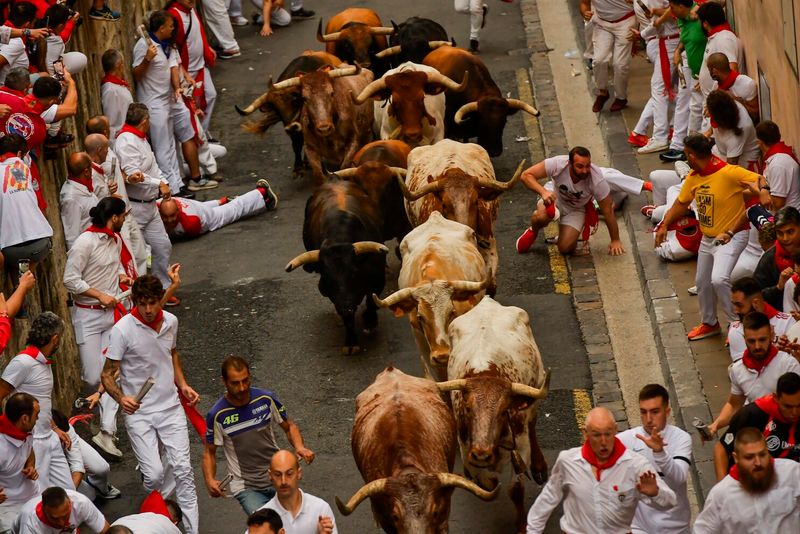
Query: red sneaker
(173, 301)
(637, 140)
(647, 210)
(526, 240)
(703, 331)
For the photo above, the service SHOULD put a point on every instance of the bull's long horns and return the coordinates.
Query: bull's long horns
(346, 173)
(285, 84)
(257, 103)
(391, 51)
(398, 296)
(452, 385)
(469, 107)
(532, 392)
(344, 71)
(503, 186)
(519, 104)
(381, 30)
(470, 286)
(364, 247)
(436, 44)
(369, 90)
(367, 490)
(456, 481)
(312, 256)
(448, 82)
(326, 38)
(432, 187)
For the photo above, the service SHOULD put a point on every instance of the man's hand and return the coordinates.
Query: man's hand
(661, 235)
(126, 280)
(213, 489)
(325, 525)
(634, 35)
(765, 199)
(306, 454)
(93, 399)
(266, 30)
(129, 404)
(174, 274)
(587, 14)
(655, 441)
(112, 188)
(107, 301)
(192, 396)
(152, 51)
(722, 239)
(548, 197)
(165, 191)
(647, 484)
(615, 248)
(135, 178)
(68, 80)
(39, 33)
(65, 441)
(30, 473)
(784, 277)
(27, 280)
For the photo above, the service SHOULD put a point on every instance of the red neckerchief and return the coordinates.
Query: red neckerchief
(781, 148)
(127, 128)
(589, 456)
(714, 165)
(591, 221)
(758, 365)
(154, 504)
(769, 311)
(33, 352)
(9, 429)
(720, 28)
(666, 69)
(43, 518)
(87, 183)
(783, 259)
(34, 104)
(729, 80)
(110, 78)
(7, 155)
(180, 35)
(153, 324)
(12, 91)
(98, 169)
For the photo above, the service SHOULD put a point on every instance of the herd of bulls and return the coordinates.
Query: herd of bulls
(421, 96)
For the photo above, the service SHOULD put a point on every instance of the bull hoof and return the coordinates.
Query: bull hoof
(349, 351)
(298, 172)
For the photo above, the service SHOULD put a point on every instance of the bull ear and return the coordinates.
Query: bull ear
(487, 193)
(382, 94)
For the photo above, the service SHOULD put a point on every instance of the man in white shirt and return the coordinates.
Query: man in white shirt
(601, 484)
(301, 513)
(115, 92)
(669, 450)
(740, 86)
(143, 346)
(759, 494)
(746, 297)
(12, 54)
(782, 172)
(59, 511)
(17, 462)
(720, 40)
(756, 373)
(77, 197)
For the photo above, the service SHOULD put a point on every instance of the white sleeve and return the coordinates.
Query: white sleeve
(139, 50)
(49, 115)
(547, 501)
(89, 514)
(73, 454)
(329, 513)
(780, 180)
(15, 373)
(71, 219)
(788, 294)
(674, 464)
(736, 343)
(118, 345)
(77, 259)
(750, 90)
(665, 498)
(5, 34)
(730, 47)
(128, 155)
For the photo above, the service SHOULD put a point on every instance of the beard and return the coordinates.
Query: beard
(758, 484)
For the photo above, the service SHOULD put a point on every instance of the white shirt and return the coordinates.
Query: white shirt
(571, 194)
(155, 86)
(21, 219)
(83, 513)
(607, 506)
(783, 176)
(93, 262)
(744, 87)
(76, 201)
(35, 377)
(5, 34)
(724, 42)
(115, 99)
(307, 518)
(744, 146)
(194, 41)
(729, 509)
(143, 352)
(780, 322)
(672, 465)
(147, 523)
(135, 154)
(611, 10)
(14, 54)
(13, 456)
(753, 385)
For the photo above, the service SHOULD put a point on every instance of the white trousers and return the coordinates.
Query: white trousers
(663, 180)
(216, 14)
(134, 239)
(51, 464)
(167, 429)
(658, 90)
(622, 185)
(659, 212)
(688, 109)
(162, 139)
(713, 278)
(211, 97)
(645, 121)
(8, 516)
(95, 467)
(247, 205)
(155, 235)
(475, 10)
(748, 259)
(92, 334)
(612, 49)
(588, 32)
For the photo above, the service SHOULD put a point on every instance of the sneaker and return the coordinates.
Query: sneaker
(104, 13)
(485, 12)
(239, 21)
(302, 13)
(109, 494)
(692, 290)
(229, 54)
(270, 198)
(105, 442)
(703, 331)
(172, 302)
(201, 184)
(599, 102)
(682, 168)
(647, 210)
(653, 145)
(672, 155)
(474, 46)
(618, 104)
(184, 192)
(637, 140)
(526, 240)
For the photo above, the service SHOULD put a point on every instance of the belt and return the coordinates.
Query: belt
(629, 15)
(668, 37)
(89, 306)
(142, 201)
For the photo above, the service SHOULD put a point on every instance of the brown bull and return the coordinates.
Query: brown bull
(357, 35)
(403, 441)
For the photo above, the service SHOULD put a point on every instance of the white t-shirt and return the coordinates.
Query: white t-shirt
(14, 53)
(611, 10)
(115, 99)
(307, 518)
(35, 377)
(752, 385)
(76, 201)
(724, 42)
(744, 87)
(147, 523)
(155, 87)
(783, 176)
(21, 220)
(194, 41)
(83, 513)
(135, 154)
(571, 194)
(730, 145)
(93, 262)
(781, 323)
(143, 352)
(13, 456)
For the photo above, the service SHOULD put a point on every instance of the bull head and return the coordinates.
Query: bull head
(312, 256)
(523, 390)
(335, 36)
(435, 80)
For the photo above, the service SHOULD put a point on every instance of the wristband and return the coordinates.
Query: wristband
(729, 233)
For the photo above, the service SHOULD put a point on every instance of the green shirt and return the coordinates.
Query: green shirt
(694, 42)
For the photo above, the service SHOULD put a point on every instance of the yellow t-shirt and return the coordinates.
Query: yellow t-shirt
(719, 197)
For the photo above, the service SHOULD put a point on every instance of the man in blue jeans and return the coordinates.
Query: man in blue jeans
(242, 423)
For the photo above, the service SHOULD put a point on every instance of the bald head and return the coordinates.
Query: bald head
(168, 210)
(78, 163)
(284, 460)
(600, 430)
(600, 418)
(98, 124)
(285, 474)
(719, 61)
(96, 145)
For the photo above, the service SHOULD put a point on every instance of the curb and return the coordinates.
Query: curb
(586, 297)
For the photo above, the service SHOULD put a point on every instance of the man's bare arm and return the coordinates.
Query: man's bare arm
(108, 379)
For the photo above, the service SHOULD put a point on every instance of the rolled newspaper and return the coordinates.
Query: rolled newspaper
(144, 35)
(125, 294)
(223, 484)
(149, 383)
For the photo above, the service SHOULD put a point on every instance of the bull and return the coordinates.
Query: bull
(457, 180)
(496, 379)
(376, 167)
(341, 234)
(356, 35)
(404, 446)
(442, 277)
(414, 107)
(414, 39)
(480, 111)
(283, 105)
(333, 127)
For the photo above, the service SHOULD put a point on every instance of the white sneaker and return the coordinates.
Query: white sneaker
(105, 442)
(653, 145)
(110, 493)
(239, 21)
(692, 290)
(682, 168)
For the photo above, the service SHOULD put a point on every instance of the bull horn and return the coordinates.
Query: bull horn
(532, 392)
(436, 44)
(399, 171)
(363, 247)
(381, 30)
(346, 173)
(419, 193)
(398, 296)
(448, 82)
(465, 110)
(367, 490)
(452, 385)
(456, 481)
(369, 90)
(312, 256)
(328, 37)
(524, 106)
(344, 71)
(470, 286)
(257, 103)
(397, 132)
(503, 186)
(293, 126)
(391, 51)
(285, 84)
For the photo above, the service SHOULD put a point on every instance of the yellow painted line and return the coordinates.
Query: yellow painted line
(583, 403)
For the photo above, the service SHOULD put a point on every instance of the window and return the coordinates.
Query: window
(765, 107)
(789, 33)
